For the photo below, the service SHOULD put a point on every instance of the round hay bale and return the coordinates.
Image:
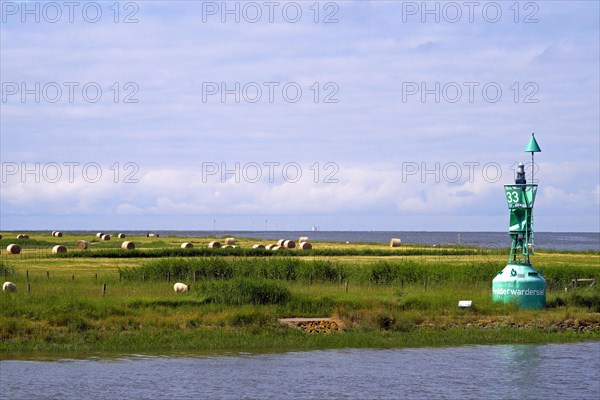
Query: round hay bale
(81, 244)
(0, 237)
(305, 246)
(186, 245)
(229, 246)
(121, 236)
(275, 248)
(394, 242)
(22, 236)
(214, 245)
(303, 239)
(258, 246)
(57, 234)
(151, 234)
(99, 235)
(289, 244)
(9, 287)
(13, 249)
(280, 242)
(128, 245)
(230, 241)
(106, 237)
(53, 233)
(59, 248)
(270, 246)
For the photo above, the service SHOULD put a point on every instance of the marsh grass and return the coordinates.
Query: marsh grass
(288, 269)
(240, 291)
(6, 270)
(61, 314)
(401, 272)
(586, 297)
(114, 251)
(235, 301)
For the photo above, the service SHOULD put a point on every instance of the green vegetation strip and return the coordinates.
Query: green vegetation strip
(85, 303)
(243, 313)
(246, 252)
(331, 271)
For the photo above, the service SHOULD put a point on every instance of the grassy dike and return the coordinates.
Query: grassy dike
(395, 297)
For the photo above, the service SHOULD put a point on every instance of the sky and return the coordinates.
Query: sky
(282, 115)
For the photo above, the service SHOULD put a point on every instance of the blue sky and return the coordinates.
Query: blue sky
(362, 115)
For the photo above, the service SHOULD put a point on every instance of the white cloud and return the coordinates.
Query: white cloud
(369, 132)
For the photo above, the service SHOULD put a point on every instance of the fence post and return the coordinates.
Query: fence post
(104, 290)
(28, 288)
(346, 285)
(27, 275)
(48, 274)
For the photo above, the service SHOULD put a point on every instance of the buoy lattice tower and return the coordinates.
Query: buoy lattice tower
(519, 282)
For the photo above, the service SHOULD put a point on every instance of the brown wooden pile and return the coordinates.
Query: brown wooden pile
(315, 325)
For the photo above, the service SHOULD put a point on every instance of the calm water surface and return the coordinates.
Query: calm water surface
(548, 371)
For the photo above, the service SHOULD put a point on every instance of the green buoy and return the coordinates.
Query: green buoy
(519, 282)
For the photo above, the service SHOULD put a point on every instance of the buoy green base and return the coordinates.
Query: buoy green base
(520, 284)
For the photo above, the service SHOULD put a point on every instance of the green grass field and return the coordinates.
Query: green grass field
(384, 297)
